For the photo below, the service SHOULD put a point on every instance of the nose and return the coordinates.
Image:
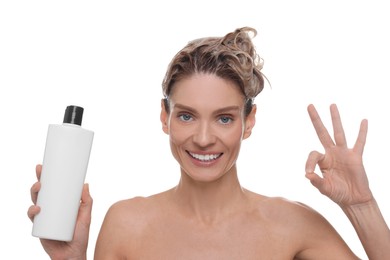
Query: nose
(204, 135)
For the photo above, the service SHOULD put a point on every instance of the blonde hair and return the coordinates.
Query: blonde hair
(232, 57)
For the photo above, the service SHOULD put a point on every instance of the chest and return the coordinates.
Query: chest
(237, 239)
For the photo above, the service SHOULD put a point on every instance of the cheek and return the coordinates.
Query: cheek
(233, 136)
(177, 134)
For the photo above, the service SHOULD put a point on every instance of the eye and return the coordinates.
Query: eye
(225, 119)
(185, 117)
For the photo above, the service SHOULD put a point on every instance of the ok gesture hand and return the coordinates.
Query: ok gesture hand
(343, 177)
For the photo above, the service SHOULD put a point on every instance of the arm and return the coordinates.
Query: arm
(371, 229)
(344, 181)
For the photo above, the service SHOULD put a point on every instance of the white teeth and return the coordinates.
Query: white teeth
(205, 157)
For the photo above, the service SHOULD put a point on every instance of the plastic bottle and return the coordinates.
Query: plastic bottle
(64, 168)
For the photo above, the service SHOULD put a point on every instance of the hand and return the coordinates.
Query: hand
(344, 179)
(77, 248)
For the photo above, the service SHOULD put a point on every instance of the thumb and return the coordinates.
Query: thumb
(315, 180)
(85, 209)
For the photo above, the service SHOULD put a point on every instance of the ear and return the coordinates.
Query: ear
(250, 122)
(164, 117)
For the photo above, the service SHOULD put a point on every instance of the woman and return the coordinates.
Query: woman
(207, 111)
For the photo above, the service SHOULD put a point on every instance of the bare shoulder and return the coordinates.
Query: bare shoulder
(279, 207)
(293, 216)
(133, 213)
(308, 231)
(125, 212)
(125, 222)
(134, 206)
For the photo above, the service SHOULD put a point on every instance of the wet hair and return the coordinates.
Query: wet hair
(232, 57)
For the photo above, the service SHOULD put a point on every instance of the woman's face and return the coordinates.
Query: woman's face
(206, 125)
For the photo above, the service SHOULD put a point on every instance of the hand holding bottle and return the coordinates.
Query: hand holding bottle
(77, 248)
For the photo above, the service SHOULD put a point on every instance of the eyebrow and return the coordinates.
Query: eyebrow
(218, 111)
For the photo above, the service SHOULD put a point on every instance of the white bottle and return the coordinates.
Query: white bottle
(64, 168)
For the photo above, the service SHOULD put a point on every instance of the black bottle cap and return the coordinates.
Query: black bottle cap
(73, 115)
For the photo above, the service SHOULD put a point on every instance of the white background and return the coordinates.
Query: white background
(110, 57)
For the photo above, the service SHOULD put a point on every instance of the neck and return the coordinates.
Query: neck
(209, 201)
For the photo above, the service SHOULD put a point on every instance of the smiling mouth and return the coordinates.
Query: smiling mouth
(205, 157)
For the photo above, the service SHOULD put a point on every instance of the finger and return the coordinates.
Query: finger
(312, 161)
(338, 130)
(33, 211)
(321, 131)
(362, 136)
(34, 191)
(38, 171)
(315, 180)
